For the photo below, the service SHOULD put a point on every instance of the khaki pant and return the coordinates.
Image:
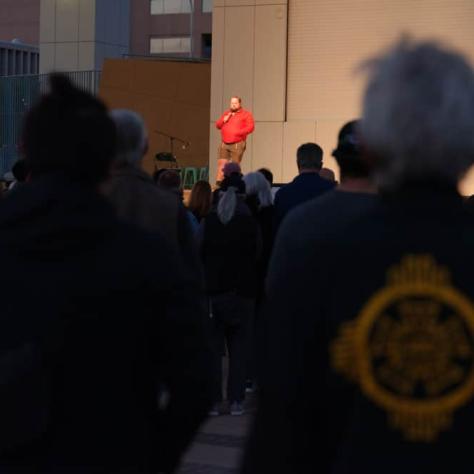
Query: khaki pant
(226, 153)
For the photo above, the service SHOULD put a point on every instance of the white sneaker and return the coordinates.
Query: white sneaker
(236, 409)
(214, 411)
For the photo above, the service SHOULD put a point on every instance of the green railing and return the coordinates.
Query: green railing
(17, 95)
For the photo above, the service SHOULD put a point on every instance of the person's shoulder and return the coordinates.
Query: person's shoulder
(286, 188)
(328, 217)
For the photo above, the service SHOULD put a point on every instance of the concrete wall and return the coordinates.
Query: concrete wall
(76, 35)
(300, 81)
(20, 19)
(172, 97)
(249, 60)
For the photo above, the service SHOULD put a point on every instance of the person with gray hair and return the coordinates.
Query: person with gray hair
(132, 139)
(368, 360)
(260, 202)
(135, 196)
(419, 115)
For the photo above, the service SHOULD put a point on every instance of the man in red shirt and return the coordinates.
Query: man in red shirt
(235, 124)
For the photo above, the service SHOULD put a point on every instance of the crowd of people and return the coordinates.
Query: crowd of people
(348, 307)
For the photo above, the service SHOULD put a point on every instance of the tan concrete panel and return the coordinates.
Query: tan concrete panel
(239, 3)
(326, 137)
(294, 134)
(270, 63)
(87, 20)
(67, 57)
(217, 65)
(239, 54)
(271, 2)
(47, 21)
(215, 140)
(325, 46)
(247, 161)
(67, 20)
(86, 61)
(47, 57)
(217, 3)
(268, 148)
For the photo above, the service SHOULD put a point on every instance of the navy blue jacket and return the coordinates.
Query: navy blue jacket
(304, 187)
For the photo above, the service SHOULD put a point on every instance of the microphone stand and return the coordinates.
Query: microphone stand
(172, 139)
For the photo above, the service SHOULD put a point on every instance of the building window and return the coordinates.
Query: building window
(207, 6)
(206, 45)
(175, 45)
(167, 7)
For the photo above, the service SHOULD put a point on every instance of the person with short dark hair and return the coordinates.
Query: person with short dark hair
(268, 175)
(20, 172)
(307, 185)
(171, 181)
(108, 353)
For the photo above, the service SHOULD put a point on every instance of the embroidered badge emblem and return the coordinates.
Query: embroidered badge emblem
(411, 348)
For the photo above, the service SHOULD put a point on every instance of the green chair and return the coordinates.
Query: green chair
(204, 174)
(190, 177)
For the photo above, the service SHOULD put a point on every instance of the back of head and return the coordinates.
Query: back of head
(131, 136)
(418, 115)
(21, 170)
(348, 153)
(201, 198)
(309, 157)
(232, 186)
(69, 132)
(257, 185)
(268, 175)
(170, 180)
(231, 168)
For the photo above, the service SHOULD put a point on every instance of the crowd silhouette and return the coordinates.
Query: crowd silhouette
(345, 306)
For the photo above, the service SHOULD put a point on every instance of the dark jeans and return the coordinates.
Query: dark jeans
(232, 317)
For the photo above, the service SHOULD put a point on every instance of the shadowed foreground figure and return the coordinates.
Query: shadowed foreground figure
(369, 353)
(103, 355)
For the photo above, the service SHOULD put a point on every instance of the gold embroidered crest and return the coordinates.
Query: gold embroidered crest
(411, 348)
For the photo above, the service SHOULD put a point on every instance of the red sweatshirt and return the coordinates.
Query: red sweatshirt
(237, 127)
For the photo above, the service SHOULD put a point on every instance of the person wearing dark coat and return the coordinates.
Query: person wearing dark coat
(369, 351)
(230, 246)
(307, 185)
(103, 347)
(137, 199)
